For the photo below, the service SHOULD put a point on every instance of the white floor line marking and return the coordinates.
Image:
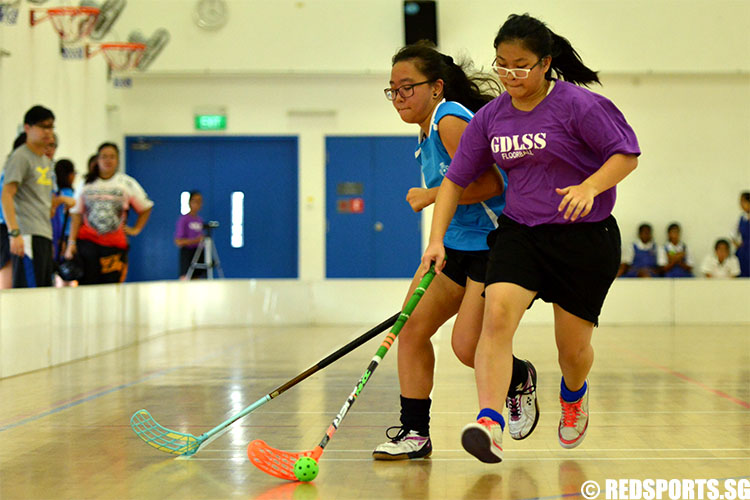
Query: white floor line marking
(537, 450)
(642, 412)
(530, 459)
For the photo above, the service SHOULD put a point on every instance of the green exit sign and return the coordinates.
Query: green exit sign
(210, 122)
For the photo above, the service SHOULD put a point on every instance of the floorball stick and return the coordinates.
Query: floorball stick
(181, 443)
(282, 463)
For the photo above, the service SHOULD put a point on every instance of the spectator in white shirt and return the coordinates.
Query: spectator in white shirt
(721, 264)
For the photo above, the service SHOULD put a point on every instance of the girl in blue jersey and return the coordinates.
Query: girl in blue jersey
(428, 89)
(742, 236)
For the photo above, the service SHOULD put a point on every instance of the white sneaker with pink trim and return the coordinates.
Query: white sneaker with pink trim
(574, 420)
(484, 440)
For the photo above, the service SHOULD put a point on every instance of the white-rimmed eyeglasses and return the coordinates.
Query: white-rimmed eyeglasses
(518, 73)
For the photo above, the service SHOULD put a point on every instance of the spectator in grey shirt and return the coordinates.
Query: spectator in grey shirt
(27, 202)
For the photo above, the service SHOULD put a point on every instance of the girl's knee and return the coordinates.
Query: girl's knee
(574, 354)
(498, 320)
(414, 335)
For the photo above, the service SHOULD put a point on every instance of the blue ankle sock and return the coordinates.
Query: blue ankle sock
(571, 396)
(493, 415)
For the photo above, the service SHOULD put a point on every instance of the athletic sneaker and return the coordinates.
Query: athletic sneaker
(574, 421)
(484, 440)
(405, 445)
(523, 407)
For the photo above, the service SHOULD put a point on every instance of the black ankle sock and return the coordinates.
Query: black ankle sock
(415, 415)
(520, 375)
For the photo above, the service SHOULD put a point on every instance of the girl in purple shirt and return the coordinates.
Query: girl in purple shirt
(430, 90)
(189, 234)
(564, 149)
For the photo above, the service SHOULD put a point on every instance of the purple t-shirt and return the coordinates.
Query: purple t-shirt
(561, 142)
(189, 227)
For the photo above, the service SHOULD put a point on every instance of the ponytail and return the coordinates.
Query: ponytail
(539, 39)
(460, 83)
(568, 64)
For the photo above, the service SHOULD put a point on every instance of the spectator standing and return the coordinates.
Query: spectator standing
(6, 271)
(98, 233)
(65, 174)
(189, 234)
(27, 202)
(741, 236)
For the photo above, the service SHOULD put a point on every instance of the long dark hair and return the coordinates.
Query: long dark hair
(473, 90)
(539, 39)
(63, 169)
(94, 173)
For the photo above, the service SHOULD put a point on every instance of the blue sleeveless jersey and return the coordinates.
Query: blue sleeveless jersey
(2, 179)
(470, 225)
(743, 253)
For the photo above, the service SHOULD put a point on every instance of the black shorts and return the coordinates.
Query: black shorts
(101, 264)
(462, 264)
(4, 245)
(571, 265)
(34, 272)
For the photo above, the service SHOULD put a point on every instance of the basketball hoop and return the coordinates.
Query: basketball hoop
(122, 57)
(73, 24)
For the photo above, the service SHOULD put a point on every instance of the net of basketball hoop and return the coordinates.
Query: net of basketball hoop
(9, 12)
(73, 24)
(122, 59)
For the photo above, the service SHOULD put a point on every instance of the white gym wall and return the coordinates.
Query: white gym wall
(677, 69)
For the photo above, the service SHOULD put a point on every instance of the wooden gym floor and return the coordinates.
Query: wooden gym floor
(666, 403)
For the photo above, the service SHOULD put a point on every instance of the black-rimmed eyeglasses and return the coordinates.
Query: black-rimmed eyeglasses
(404, 90)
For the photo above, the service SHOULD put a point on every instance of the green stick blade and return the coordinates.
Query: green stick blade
(161, 438)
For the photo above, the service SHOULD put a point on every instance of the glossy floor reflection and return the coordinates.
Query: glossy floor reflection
(665, 403)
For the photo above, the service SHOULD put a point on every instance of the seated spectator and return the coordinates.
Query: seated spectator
(640, 259)
(721, 264)
(678, 261)
(741, 236)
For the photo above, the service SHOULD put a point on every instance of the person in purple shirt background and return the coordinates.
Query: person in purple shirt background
(564, 149)
(189, 234)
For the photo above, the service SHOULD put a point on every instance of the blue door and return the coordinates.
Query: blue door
(372, 231)
(265, 172)
(258, 173)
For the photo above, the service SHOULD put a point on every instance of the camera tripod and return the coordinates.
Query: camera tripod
(207, 248)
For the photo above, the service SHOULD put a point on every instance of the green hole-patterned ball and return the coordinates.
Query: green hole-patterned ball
(305, 469)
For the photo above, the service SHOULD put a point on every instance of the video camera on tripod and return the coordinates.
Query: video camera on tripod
(212, 224)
